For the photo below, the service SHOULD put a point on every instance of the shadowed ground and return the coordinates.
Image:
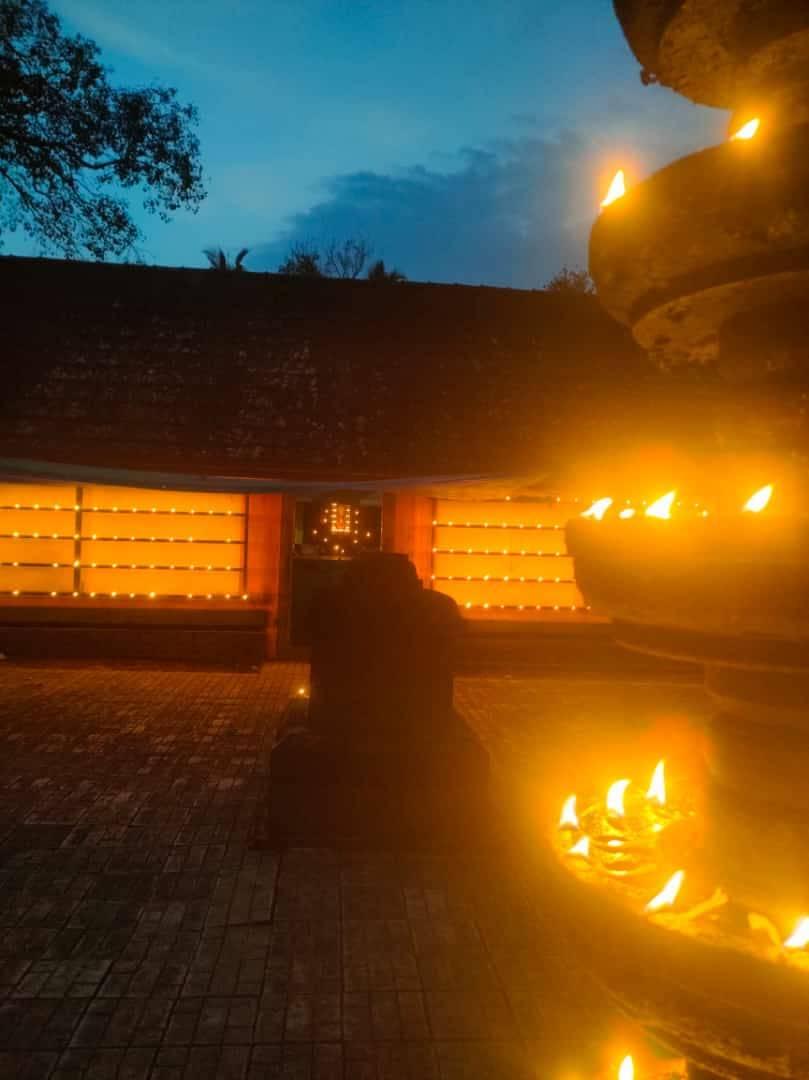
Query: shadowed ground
(144, 932)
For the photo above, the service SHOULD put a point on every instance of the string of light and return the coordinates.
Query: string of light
(489, 580)
(76, 564)
(504, 551)
(123, 510)
(493, 525)
(16, 535)
(125, 595)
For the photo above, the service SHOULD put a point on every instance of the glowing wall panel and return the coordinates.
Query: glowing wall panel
(122, 543)
(504, 555)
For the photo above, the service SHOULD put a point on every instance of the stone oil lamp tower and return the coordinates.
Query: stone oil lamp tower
(688, 884)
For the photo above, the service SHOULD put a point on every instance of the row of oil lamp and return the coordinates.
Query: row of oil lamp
(618, 185)
(661, 508)
(655, 798)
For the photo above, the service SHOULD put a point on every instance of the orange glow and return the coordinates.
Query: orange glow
(626, 514)
(657, 788)
(615, 797)
(799, 938)
(626, 1070)
(662, 507)
(668, 894)
(616, 190)
(569, 819)
(759, 500)
(581, 848)
(747, 130)
(598, 509)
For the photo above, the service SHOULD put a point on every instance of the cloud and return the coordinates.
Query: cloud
(510, 213)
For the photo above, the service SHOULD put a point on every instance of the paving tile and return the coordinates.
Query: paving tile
(146, 935)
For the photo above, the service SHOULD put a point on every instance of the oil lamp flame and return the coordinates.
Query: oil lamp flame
(668, 894)
(615, 797)
(759, 500)
(569, 819)
(661, 508)
(626, 514)
(748, 130)
(581, 848)
(598, 509)
(799, 938)
(626, 1070)
(657, 788)
(616, 189)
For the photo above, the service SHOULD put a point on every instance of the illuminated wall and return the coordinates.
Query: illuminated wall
(121, 543)
(506, 556)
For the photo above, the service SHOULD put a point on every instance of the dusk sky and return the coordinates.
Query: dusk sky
(466, 140)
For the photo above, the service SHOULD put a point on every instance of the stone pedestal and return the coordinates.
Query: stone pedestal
(377, 753)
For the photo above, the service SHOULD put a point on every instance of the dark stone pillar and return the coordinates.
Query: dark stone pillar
(378, 752)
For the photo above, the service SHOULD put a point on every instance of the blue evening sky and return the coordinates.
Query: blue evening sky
(466, 140)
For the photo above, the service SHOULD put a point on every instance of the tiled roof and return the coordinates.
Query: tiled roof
(264, 375)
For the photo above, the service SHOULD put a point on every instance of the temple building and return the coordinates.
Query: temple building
(186, 455)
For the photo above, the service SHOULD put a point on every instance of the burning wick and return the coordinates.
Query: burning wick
(581, 847)
(657, 788)
(759, 500)
(799, 937)
(615, 797)
(748, 130)
(626, 1070)
(628, 513)
(569, 818)
(668, 894)
(616, 189)
(662, 507)
(598, 509)
(301, 691)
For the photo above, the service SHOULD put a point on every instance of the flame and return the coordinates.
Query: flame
(748, 130)
(628, 513)
(616, 189)
(581, 847)
(799, 937)
(615, 797)
(626, 1070)
(569, 819)
(657, 788)
(598, 509)
(668, 894)
(759, 500)
(662, 507)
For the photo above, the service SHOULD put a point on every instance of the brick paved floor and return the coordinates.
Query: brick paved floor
(144, 934)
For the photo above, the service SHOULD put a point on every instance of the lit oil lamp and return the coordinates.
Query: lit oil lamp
(616, 190)
(668, 894)
(747, 130)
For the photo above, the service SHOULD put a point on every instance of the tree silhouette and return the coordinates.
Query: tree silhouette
(303, 260)
(218, 259)
(344, 259)
(70, 143)
(378, 272)
(571, 281)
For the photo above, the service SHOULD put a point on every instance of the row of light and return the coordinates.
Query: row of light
(494, 580)
(17, 535)
(121, 510)
(131, 596)
(529, 607)
(494, 525)
(504, 551)
(618, 185)
(661, 508)
(77, 564)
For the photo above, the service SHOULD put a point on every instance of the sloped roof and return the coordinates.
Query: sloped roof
(261, 375)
